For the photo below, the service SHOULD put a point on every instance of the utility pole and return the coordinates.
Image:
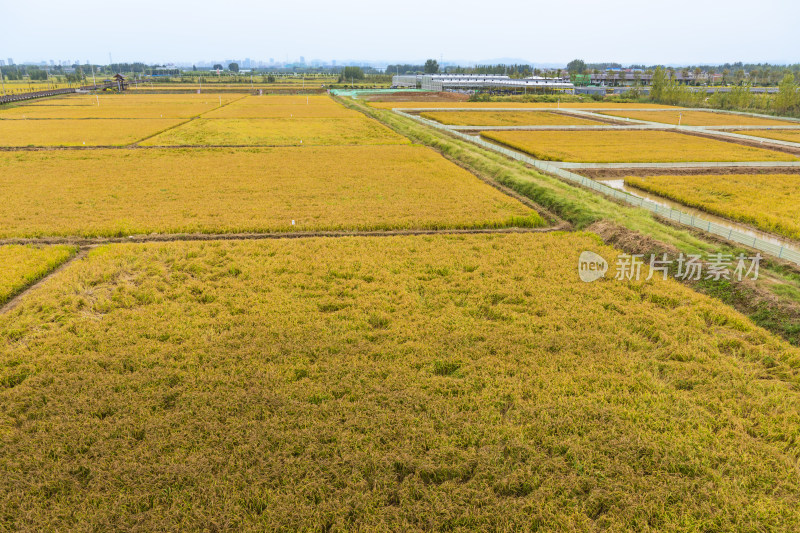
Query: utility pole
(94, 80)
(3, 81)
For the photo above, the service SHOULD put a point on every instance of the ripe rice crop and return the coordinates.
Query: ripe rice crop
(115, 109)
(134, 100)
(506, 118)
(697, 118)
(768, 202)
(79, 132)
(22, 265)
(780, 135)
(278, 132)
(405, 383)
(123, 192)
(284, 107)
(629, 147)
(531, 105)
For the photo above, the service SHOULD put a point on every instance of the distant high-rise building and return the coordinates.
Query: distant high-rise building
(2, 62)
(10, 61)
(52, 63)
(333, 62)
(272, 60)
(302, 60)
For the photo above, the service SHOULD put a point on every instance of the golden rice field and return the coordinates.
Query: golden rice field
(266, 107)
(278, 132)
(629, 147)
(403, 383)
(80, 132)
(126, 106)
(22, 265)
(500, 105)
(130, 99)
(698, 118)
(507, 118)
(768, 202)
(125, 192)
(780, 135)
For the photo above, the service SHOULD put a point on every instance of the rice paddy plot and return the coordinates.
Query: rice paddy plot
(278, 132)
(629, 147)
(770, 202)
(404, 383)
(80, 132)
(699, 118)
(500, 105)
(779, 135)
(329, 109)
(125, 192)
(507, 118)
(22, 265)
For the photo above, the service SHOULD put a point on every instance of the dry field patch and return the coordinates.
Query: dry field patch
(770, 202)
(123, 192)
(401, 383)
(629, 147)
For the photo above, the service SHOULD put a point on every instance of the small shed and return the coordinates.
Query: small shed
(120, 82)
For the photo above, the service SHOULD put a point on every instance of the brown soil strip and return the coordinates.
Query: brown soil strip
(417, 97)
(17, 298)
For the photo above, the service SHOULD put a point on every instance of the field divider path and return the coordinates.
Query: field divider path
(560, 170)
(192, 237)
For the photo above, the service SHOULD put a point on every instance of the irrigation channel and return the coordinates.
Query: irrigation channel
(727, 229)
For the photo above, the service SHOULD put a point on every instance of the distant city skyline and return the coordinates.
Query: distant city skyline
(357, 31)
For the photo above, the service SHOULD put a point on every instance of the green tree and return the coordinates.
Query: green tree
(431, 66)
(217, 67)
(351, 74)
(787, 99)
(233, 67)
(576, 66)
(658, 84)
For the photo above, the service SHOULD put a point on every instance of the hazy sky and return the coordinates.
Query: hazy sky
(675, 31)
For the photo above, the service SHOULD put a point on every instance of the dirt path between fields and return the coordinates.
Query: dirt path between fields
(189, 237)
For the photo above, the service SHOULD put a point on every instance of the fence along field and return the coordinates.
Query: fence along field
(629, 147)
(254, 190)
(699, 118)
(22, 265)
(768, 202)
(384, 383)
(506, 118)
